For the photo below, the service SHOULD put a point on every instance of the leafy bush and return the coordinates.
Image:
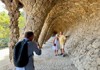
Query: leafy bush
(3, 42)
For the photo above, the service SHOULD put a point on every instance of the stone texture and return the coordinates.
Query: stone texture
(13, 12)
(78, 19)
(36, 11)
(83, 45)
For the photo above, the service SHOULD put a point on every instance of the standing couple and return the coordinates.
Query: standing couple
(59, 42)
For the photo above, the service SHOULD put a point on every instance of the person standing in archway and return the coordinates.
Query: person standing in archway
(56, 44)
(62, 39)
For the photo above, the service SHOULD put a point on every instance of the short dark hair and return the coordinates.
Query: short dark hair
(29, 34)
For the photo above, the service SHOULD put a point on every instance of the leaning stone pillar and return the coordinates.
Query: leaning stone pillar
(13, 12)
(14, 30)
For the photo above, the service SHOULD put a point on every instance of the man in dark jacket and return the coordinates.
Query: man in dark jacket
(32, 47)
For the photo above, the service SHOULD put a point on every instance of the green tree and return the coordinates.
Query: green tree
(4, 27)
(21, 20)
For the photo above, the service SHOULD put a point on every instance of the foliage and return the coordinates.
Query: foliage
(21, 20)
(4, 27)
(3, 42)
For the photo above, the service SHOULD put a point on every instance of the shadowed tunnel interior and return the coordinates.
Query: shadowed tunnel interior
(78, 19)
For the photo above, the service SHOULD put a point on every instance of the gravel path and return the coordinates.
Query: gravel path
(47, 61)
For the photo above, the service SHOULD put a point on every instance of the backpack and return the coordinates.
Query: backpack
(21, 54)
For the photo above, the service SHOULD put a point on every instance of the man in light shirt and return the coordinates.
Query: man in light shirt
(62, 39)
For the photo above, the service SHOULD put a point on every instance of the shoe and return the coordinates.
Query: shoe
(61, 54)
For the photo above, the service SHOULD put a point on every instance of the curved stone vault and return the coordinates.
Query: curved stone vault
(78, 19)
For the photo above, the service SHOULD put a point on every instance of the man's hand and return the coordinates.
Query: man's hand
(39, 46)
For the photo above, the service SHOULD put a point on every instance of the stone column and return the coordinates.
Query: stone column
(12, 7)
(14, 30)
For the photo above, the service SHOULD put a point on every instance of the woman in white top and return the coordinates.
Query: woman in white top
(56, 45)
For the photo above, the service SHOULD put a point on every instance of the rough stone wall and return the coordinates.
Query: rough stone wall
(78, 19)
(83, 45)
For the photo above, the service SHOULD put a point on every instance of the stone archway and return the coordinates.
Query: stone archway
(80, 21)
